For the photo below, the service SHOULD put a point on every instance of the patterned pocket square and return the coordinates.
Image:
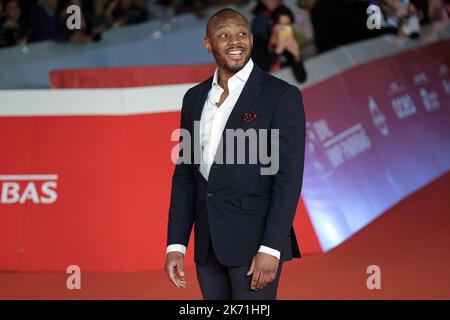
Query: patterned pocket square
(250, 116)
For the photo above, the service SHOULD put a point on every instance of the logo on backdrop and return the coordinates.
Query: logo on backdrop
(31, 188)
(378, 118)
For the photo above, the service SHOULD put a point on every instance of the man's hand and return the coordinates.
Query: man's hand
(175, 268)
(264, 268)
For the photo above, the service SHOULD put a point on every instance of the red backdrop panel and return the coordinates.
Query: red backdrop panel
(129, 76)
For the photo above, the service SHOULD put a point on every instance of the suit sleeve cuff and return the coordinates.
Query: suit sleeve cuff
(176, 247)
(270, 251)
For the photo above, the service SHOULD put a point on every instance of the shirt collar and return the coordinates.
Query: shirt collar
(242, 74)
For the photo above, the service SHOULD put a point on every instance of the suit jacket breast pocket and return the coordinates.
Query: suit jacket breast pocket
(257, 202)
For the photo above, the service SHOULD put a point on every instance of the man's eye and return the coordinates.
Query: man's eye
(243, 34)
(224, 35)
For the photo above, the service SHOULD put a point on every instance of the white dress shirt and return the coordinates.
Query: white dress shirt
(212, 124)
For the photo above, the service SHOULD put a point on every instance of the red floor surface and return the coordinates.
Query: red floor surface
(410, 243)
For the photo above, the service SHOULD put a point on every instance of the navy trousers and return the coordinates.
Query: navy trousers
(218, 282)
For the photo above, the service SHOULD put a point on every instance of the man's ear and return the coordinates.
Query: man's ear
(207, 44)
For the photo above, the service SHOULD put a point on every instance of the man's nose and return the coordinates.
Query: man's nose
(234, 40)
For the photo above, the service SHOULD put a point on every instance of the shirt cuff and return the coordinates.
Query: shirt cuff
(270, 251)
(176, 247)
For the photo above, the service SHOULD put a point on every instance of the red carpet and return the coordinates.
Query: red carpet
(410, 243)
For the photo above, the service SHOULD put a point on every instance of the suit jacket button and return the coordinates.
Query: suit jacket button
(209, 195)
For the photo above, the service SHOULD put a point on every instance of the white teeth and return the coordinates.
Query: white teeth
(235, 52)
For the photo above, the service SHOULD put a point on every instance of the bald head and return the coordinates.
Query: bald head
(229, 39)
(224, 16)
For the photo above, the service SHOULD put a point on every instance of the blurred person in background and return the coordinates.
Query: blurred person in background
(261, 18)
(162, 9)
(26, 6)
(127, 12)
(99, 14)
(261, 29)
(282, 48)
(422, 10)
(44, 22)
(303, 18)
(165, 9)
(430, 10)
(400, 15)
(304, 26)
(195, 6)
(220, 3)
(437, 10)
(12, 28)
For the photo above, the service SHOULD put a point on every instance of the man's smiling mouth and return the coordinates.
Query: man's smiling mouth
(235, 54)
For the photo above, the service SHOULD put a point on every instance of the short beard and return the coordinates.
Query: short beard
(232, 70)
(235, 69)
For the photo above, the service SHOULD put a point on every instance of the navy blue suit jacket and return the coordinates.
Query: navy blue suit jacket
(238, 208)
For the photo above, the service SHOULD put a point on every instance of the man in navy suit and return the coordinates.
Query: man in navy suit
(243, 210)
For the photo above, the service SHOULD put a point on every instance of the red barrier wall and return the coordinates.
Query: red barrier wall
(113, 189)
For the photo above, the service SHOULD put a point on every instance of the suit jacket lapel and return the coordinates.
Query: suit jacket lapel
(248, 95)
(195, 131)
(251, 90)
(201, 98)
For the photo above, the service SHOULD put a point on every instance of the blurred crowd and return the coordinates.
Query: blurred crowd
(36, 20)
(401, 17)
(284, 35)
